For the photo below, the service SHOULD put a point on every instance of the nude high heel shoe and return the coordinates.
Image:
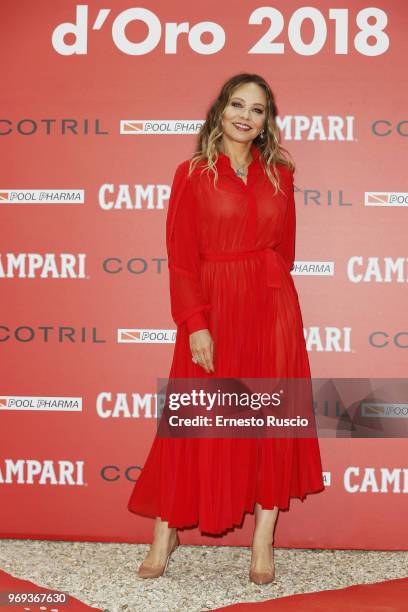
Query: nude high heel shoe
(145, 571)
(263, 577)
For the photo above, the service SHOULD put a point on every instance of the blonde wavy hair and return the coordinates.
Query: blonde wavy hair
(210, 134)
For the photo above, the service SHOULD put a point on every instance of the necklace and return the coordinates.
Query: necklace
(241, 171)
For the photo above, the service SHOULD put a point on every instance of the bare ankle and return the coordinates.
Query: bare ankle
(261, 540)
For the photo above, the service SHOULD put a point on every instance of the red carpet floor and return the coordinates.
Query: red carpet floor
(388, 596)
(9, 583)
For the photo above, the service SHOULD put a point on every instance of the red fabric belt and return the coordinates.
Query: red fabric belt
(273, 272)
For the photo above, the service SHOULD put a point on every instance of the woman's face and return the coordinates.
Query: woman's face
(245, 114)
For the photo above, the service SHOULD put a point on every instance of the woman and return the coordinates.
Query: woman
(230, 239)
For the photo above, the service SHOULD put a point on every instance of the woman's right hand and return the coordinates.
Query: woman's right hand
(202, 349)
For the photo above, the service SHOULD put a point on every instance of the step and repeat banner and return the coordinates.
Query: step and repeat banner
(100, 102)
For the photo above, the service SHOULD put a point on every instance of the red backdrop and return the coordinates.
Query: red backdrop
(95, 116)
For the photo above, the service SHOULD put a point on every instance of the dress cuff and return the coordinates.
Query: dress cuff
(196, 321)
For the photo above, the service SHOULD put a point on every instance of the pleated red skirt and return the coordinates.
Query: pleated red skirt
(212, 483)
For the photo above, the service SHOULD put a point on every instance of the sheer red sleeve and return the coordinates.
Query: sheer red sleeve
(287, 245)
(186, 298)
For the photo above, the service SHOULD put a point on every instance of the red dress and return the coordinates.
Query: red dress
(230, 252)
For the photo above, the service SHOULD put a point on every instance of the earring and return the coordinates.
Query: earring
(262, 134)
